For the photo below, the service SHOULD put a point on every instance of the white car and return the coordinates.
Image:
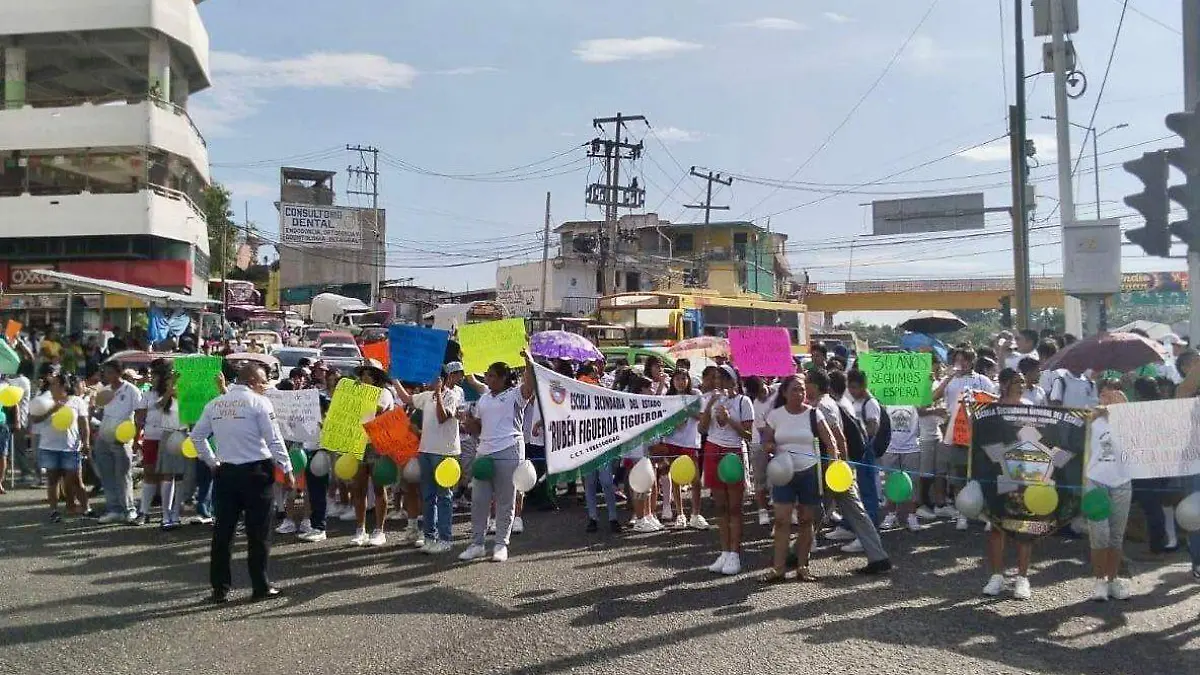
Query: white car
(340, 350)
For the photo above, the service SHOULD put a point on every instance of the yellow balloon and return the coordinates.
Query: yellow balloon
(447, 473)
(10, 395)
(125, 431)
(839, 476)
(346, 467)
(683, 470)
(1041, 500)
(63, 419)
(188, 449)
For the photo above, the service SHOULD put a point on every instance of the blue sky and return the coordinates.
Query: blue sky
(757, 88)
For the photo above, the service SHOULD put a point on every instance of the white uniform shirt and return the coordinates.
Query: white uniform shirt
(906, 429)
(795, 435)
(243, 425)
(502, 418)
(686, 435)
(727, 435)
(1074, 392)
(125, 401)
(52, 439)
(439, 438)
(761, 408)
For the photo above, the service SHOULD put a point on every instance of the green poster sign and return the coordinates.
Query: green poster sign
(899, 378)
(195, 384)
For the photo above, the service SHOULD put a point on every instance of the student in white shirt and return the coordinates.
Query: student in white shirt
(114, 460)
(952, 390)
(1030, 369)
(161, 430)
(500, 418)
(727, 418)
(373, 374)
(439, 439)
(1074, 390)
(60, 450)
(684, 440)
(903, 454)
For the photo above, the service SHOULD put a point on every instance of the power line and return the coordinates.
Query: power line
(862, 99)
(1153, 20)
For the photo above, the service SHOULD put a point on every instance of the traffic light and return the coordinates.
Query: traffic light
(1187, 160)
(1152, 202)
(1006, 316)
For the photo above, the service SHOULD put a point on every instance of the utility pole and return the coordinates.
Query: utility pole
(611, 194)
(370, 175)
(546, 255)
(710, 178)
(1191, 99)
(1020, 170)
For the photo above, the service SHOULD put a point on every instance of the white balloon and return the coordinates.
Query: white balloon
(41, 404)
(1187, 514)
(641, 477)
(319, 464)
(412, 471)
(780, 469)
(525, 477)
(969, 501)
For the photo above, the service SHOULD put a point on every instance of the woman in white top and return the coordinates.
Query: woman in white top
(500, 418)
(727, 419)
(161, 438)
(60, 451)
(794, 427)
(685, 440)
(374, 375)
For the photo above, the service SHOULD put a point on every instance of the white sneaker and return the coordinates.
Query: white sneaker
(795, 518)
(925, 513)
(360, 538)
(377, 538)
(656, 524)
(764, 518)
(312, 536)
(889, 522)
(132, 518)
(732, 566)
(946, 511)
(698, 522)
(853, 547)
(994, 585)
(436, 547)
(1118, 589)
(200, 520)
(288, 526)
(961, 525)
(719, 565)
(109, 518)
(1100, 591)
(841, 534)
(518, 525)
(491, 526)
(473, 552)
(347, 515)
(1021, 590)
(305, 526)
(644, 526)
(681, 522)
(987, 527)
(914, 525)
(419, 540)
(500, 553)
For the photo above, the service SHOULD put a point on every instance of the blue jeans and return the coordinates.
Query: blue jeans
(1193, 540)
(868, 483)
(317, 488)
(204, 490)
(604, 476)
(438, 511)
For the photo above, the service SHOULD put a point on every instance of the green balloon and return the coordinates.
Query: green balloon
(730, 469)
(483, 468)
(386, 472)
(299, 461)
(898, 487)
(1096, 505)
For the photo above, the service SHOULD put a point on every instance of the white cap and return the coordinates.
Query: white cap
(1171, 339)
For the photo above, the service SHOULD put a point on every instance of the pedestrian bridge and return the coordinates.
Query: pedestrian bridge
(917, 294)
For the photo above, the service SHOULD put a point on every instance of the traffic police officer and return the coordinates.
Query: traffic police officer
(249, 447)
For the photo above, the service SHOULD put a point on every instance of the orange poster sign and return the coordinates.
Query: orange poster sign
(961, 432)
(11, 329)
(378, 351)
(392, 436)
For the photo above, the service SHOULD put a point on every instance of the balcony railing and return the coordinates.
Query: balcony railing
(580, 306)
(79, 101)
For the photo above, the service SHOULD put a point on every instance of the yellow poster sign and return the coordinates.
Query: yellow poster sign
(352, 403)
(486, 343)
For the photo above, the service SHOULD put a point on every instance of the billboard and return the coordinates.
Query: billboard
(1154, 288)
(928, 214)
(310, 226)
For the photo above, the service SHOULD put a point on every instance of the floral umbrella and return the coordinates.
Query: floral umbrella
(705, 345)
(560, 344)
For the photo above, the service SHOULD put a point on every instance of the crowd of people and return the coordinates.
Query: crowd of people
(490, 422)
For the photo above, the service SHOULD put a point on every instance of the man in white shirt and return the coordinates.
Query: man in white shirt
(963, 380)
(113, 459)
(1073, 390)
(439, 439)
(249, 448)
(1027, 341)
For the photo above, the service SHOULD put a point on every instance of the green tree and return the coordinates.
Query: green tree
(222, 232)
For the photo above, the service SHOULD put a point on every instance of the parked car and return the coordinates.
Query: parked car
(289, 357)
(270, 364)
(341, 350)
(334, 337)
(311, 335)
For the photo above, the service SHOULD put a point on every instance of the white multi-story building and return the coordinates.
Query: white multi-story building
(101, 169)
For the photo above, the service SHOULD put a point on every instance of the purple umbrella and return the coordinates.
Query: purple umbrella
(559, 344)
(1122, 352)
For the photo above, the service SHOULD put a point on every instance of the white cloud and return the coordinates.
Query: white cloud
(608, 50)
(837, 18)
(772, 23)
(925, 54)
(676, 135)
(469, 70)
(998, 150)
(247, 189)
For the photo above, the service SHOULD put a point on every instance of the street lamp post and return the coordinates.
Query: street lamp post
(1095, 151)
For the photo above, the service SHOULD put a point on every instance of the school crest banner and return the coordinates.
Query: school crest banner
(1014, 447)
(587, 425)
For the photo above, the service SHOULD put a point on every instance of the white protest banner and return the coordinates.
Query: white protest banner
(298, 414)
(588, 425)
(1157, 439)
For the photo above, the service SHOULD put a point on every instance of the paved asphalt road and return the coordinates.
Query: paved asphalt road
(77, 597)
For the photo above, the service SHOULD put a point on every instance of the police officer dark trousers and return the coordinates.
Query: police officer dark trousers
(249, 447)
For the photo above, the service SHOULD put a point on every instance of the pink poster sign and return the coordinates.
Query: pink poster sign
(762, 351)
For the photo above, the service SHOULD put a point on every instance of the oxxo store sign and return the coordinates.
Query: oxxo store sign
(25, 278)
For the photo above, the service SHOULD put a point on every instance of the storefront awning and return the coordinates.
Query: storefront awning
(151, 296)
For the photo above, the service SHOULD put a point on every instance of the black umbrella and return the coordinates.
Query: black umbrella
(932, 321)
